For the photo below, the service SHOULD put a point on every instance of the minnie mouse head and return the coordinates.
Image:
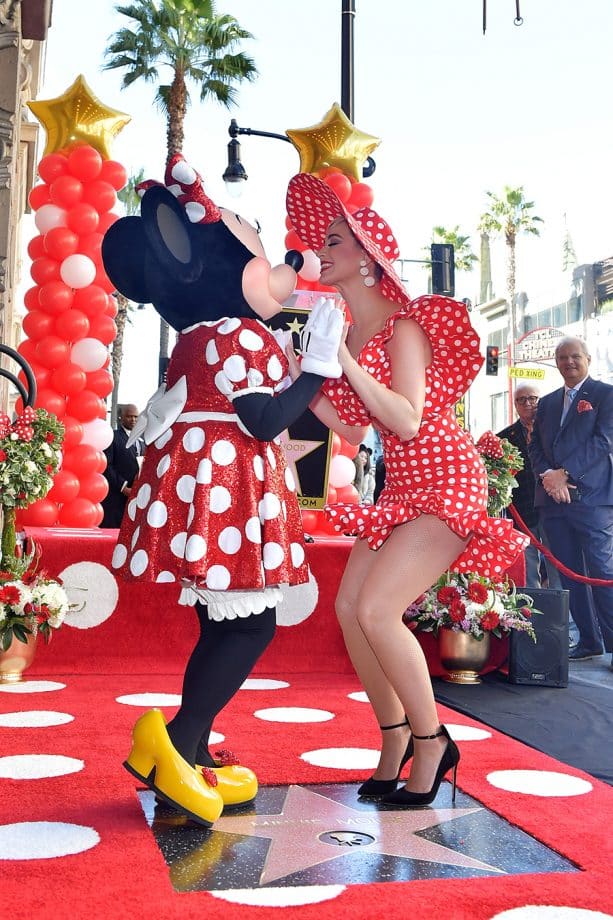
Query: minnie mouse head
(192, 260)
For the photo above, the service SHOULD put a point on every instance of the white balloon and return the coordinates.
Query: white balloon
(89, 354)
(311, 269)
(342, 471)
(77, 271)
(98, 433)
(48, 217)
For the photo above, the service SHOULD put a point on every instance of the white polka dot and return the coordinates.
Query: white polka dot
(163, 439)
(272, 555)
(190, 516)
(342, 758)
(45, 839)
(550, 912)
(253, 530)
(274, 368)
(290, 482)
(186, 486)
(359, 696)
(229, 325)
(195, 548)
(157, 514)
(217, 578)
(211, 354)
(193, 440)
(93, 589)
(37, 718)
(135, 537)
(263, 683)
(223, 384)
(204, 472)
(216, 738)
(120, 554)
(235, 368)
(250, 340)
(223, 453)
(279, 897)
(220, 499)
(299, 602)
(143, 495)
(195, 211)
(163, 466)
(270, 454)
(139, 562)
(32, 686)
(131, 509)
(149, 699)
(258, 468)
(183, 173)
(165, 578)
(297, 554)
(269, 507)
(293, 714)
(230, 540)
(255, 378)
(177, 545)
(539, 782)
(38, 766)
(467, 733)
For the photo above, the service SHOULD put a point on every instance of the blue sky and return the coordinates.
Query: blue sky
(457, 112)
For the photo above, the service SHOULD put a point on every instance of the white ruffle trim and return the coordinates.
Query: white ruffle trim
(229, 605)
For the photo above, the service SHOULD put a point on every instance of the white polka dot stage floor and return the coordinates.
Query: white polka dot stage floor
(527, 838)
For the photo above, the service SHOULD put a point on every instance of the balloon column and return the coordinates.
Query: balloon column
(335, 151)
(69, 321)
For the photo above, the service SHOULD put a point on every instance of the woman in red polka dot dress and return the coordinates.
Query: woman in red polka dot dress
(405, 363)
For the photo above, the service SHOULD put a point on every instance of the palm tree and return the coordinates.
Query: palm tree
(463, 256)
(511, 215)
(190, 41)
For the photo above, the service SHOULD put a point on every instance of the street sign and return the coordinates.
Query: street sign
(527, 372)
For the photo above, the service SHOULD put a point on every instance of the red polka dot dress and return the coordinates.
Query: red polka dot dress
(439, 471)
(214, 507)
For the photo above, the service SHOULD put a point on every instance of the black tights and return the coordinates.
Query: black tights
(223, 657)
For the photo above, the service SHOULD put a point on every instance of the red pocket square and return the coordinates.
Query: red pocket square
(584, 406)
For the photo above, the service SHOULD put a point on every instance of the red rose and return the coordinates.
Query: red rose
(477, 592)
(447, 594)
(526, 612)
(490, 620)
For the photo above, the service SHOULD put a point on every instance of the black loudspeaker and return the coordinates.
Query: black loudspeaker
(544, 663)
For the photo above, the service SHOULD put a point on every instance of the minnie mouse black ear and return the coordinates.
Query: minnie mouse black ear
(123, 255)
(170, 235)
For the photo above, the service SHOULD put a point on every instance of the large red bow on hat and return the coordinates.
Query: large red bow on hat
(187, 187)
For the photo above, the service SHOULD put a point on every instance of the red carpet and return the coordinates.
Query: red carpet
(74, 842)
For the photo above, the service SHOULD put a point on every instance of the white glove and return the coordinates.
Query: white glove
(320, 339)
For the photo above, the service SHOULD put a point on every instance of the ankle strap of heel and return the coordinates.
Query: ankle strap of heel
(387, 728)
(438, 734)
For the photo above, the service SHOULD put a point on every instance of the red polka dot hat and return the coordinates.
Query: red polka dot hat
(312, 206)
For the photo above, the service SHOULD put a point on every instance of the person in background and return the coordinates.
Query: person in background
(122, 467)
(571, 455)
(403, 372)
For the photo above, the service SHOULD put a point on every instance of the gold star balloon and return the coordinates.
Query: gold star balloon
(335, 141)
(78, 117)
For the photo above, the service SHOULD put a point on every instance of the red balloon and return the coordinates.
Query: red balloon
(43, 513)
(82, 460)
(30, 298)
(103, 280)
(55, 297)
(111, 308)
(331, 496)
(309, 520)
(52, 166)
(347, 449)
(91, 245)
(66, 191)
(94, 487)
(293, 241)
(41, 375)
(99, 515)
(72, 325)
(65, 487)
(103, 328)
(52, 351)
(100, 382)
(27, 350)
(347, 494)
(336, 444)
(92, 300)
(100, 194)
(39, 195)
(61, 242)
(36, 247)
(85, 406)
(49, 399)
(36, 324)
(85, 163)
(106, 221)
(362, 196)
(114, 173)
(101, 461)
(78, 513)
(339, 184)
(68, 378)
(73, 432)
(83, 218)
(44, 270)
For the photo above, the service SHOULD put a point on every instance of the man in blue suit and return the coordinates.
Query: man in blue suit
(570, 452)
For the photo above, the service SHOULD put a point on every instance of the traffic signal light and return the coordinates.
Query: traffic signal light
(443, 269)
(491, 360)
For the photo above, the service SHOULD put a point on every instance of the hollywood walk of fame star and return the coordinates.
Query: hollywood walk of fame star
(308, 819)
(296, 449)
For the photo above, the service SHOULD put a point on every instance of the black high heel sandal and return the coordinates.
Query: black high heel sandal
(374, 788)
(404, 798)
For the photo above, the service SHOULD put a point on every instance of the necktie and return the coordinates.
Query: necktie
(569, 395)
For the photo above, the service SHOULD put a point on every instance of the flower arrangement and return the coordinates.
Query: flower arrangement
(472, 604)
(502, 461)
(29, 456)
(30, 602)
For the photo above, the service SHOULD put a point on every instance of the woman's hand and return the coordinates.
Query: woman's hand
(294, 364)
(344, 355)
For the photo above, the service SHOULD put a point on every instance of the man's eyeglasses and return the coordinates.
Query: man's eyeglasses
(527, 400)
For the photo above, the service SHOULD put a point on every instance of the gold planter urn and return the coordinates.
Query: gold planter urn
(462, 655)
(16, 659)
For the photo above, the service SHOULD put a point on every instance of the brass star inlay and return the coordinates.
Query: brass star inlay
(295, 327)
(295, 449)
(78, 117)
(313, 829)
(335, 141)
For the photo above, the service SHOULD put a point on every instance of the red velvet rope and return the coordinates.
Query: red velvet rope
(521, 525)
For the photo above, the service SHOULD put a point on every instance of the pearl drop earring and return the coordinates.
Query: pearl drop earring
(367, 278)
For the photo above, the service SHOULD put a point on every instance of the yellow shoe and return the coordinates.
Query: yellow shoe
(155, 762)
(237, 785)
